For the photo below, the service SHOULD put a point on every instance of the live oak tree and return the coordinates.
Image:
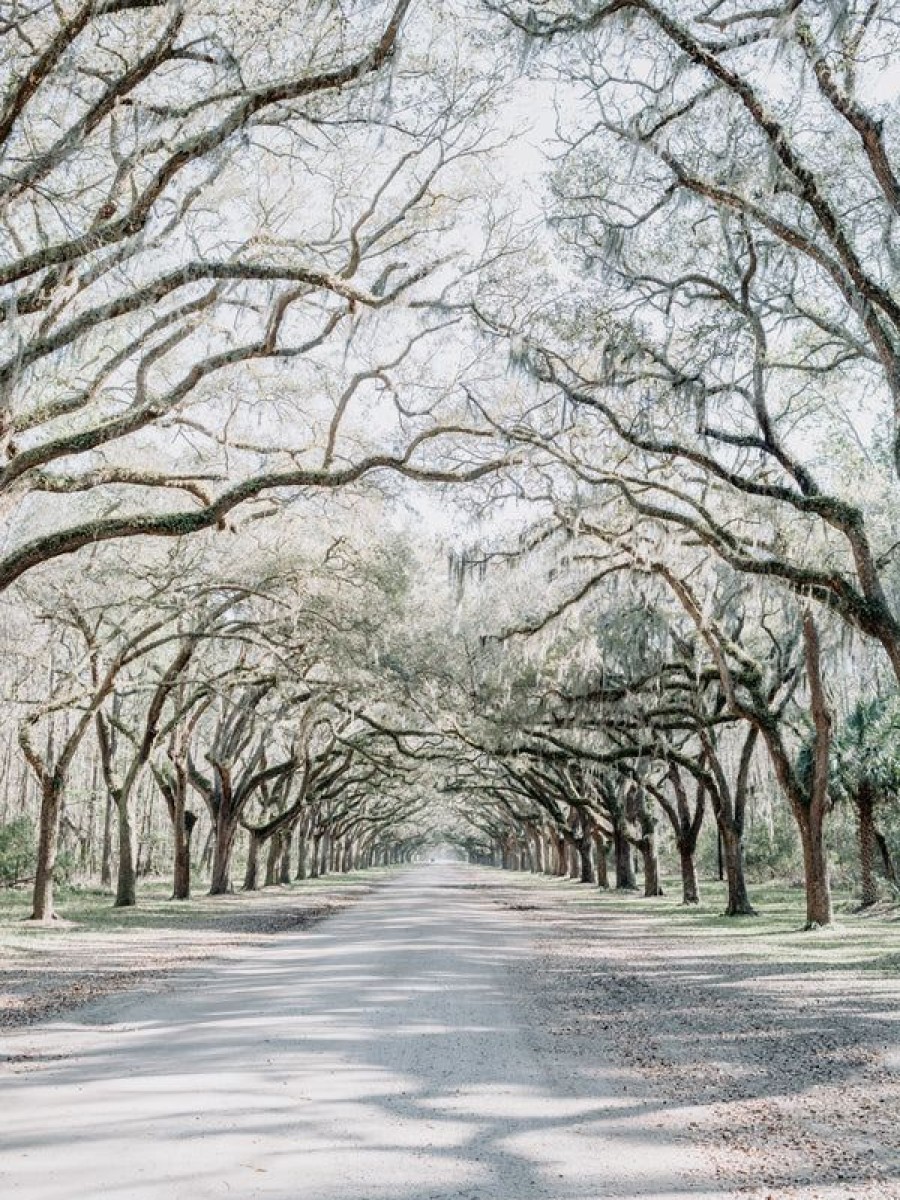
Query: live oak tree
(761, 697)
(148, 656)
(157, 708)
(240, 762)
(192, 252)
(729, 349)
(219, 227)
(726, 664)
(83, 691)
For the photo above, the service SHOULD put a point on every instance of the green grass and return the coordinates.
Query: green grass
(92, 908)
(857, 941)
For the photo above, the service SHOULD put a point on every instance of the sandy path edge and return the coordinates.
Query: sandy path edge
(49, 972)
(784, 1073)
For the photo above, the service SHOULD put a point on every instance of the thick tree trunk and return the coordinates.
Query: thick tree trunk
(184, 827)
(573, 866)
(314, 857)
(284, 861)
(587, 865)
(48, 845)
(537, 852)
(625, 879)
(601, 848)
(549, 855)
(652, 883)
(126, 887)
(733, 855)
(301, 856)
(251, 872)
(690, 889)
(815, 864)
(273, 857)
(223, 847)
(865, 808)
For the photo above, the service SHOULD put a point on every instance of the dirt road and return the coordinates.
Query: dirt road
(384, 1054)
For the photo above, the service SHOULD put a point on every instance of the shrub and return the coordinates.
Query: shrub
(17, 851)
(772, 848)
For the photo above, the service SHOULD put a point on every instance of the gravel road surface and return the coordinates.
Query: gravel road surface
(392, 1051)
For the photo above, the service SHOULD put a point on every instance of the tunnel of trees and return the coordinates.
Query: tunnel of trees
(458, 424)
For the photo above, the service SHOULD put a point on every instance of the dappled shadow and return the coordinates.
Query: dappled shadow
(785, 1062)
(381, 1055)
(46, 970)
(417, 1047)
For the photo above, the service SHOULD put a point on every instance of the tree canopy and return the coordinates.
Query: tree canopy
(471, 423)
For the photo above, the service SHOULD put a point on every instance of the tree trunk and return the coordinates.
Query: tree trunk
(815, 865)
(810, 811)
(251, 873)
(549, 854)
(584, 853)
(184, 826)
(106, 852)
(625, 880)
(886, 861)
(865, 807)
(811, 818)
(223, 847)
(284, 862)
(272, 858)
(602, 863)
(301, 855)
(126, 888)
(733, 855)
(652, 884)
(573, 860)
(48, 844)
(690, 890)
(537, 852)
(206, 856)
